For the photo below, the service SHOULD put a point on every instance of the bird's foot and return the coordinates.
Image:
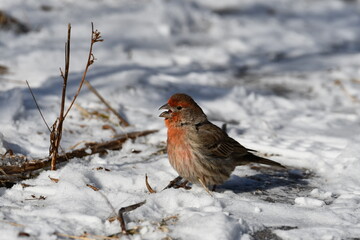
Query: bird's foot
(176, 183)
(183, 185)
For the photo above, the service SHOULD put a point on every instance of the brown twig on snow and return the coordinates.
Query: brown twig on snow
(121, 119)
(37, 105)
(88, 114)
(93, 187)
(149, 188)
(108, 127)
(12, 223)
(90, 149)
(341, 85)
(355, 80)
(86, 236)
(12, 80)
(55, 180)
(127, 209)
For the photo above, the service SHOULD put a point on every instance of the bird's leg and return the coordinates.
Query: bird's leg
(204, 186)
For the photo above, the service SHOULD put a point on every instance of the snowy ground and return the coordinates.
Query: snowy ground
(284, 75)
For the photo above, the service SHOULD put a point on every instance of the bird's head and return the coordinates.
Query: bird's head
(182, 110)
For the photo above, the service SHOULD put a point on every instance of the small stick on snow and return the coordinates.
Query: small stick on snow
(12, 223)
(93, 187)
(124, 210)
(37, 106)
(52, 132)
(150, 189)
(347, 93)
(55, 180)
(205, 187)
(86, 236)
(90, 149)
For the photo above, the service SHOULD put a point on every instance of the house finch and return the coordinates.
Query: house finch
(199, 151)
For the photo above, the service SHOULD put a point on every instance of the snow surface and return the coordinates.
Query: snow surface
(280, 73)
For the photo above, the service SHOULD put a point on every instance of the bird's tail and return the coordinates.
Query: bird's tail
(251, 158)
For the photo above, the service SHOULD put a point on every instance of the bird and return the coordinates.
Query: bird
(201, 152)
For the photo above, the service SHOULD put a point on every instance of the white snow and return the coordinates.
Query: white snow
(310, 202)
(284, 75)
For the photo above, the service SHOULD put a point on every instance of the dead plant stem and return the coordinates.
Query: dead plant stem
(37, 105)
(95, 37)
(59, 126)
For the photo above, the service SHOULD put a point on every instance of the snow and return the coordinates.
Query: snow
(283, 75)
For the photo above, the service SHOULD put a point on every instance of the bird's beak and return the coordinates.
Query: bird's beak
(166, 114)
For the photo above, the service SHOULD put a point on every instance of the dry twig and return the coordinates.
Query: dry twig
(93, 187)
(95, 37)
(56, 131)
(355, 80)
(86, 236)
(347, 93)
(55, 180)
(90, 149)
(37, 106)
(150, 189)
(12, 223)
(124, 210)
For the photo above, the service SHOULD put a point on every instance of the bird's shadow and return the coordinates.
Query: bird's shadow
(271, 185)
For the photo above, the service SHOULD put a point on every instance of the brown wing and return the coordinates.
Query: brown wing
(216, 143)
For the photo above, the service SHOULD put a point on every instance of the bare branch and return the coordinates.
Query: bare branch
(150, 189)
(37, 106)
(347, 93)
(127, 209)
(56, 132)
(95, 37)
(90, 149)
(93, 187)
(86, 236)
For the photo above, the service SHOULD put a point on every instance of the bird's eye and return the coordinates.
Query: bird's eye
(179, 108)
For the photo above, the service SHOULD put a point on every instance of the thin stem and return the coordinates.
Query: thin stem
(37, 106)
